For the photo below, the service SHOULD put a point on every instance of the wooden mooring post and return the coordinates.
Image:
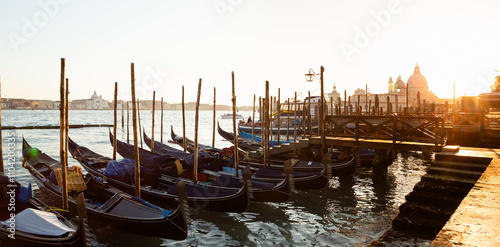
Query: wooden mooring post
(136, 139)
(184, 144)
(253, 118)
(235, 131)
(153, 123)
(278, 110)
(123, 116)
(295, 127)
(288, 122)
(266, 127)
(115, 107)
(196, 118)
(1, 149)
(62, 130)
(139, 119)
(161, 121)
(309, 116)
(128, 132)
(213, 119)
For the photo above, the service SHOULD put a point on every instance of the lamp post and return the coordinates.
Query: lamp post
(310, 76)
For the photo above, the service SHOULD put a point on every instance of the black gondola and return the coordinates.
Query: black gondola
(243, 144)
(262, 192)
(162, 191)
(301, 179)
(37, 234)
(110, 205)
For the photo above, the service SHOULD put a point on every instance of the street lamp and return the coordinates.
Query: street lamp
(311, 75)
(309, 78)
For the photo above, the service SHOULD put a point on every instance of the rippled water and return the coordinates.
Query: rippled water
(351, 211)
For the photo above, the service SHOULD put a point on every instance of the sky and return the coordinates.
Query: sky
(176, 43)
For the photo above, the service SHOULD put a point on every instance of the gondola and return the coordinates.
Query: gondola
(243, 144)
(110, 205)
(160, 189)
(301, 180)
(35, 223)
(262, 192)
(189, 143)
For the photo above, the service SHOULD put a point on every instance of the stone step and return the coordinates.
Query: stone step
(460, 165)
(420, 211)
(449, 181)
(421, 227)
(439, 190)
(454, 172)
(462, 159)
(431, 199)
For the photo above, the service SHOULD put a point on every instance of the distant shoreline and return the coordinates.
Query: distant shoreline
(13, 109)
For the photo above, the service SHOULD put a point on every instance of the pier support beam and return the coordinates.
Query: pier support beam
(305, 153)
(381, 162)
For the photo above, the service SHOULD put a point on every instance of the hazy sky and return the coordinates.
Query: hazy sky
(174, 43)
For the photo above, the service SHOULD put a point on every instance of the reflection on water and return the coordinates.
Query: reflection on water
(351, 211)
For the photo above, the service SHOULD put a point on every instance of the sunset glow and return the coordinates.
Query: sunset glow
(176, 43)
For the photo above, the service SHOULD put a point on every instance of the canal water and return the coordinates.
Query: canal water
(351, 211)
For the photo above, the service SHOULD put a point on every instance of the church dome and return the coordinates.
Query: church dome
(400, 84)
(417, 80)
(94, 96)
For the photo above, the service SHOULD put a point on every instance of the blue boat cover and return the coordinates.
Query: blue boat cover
(123, 170)
(258, 139)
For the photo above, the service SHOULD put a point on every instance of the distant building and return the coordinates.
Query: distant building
(334, 94)
(45, 104)
(419, 94)
(6, 104)
(94, 103)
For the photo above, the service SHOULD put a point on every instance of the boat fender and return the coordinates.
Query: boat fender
(288, 167)
(247, 178)
(327, 158)
(183, 200)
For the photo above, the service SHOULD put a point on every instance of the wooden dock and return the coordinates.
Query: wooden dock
(376, 144)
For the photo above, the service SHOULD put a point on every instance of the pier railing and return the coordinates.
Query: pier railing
(428, 129)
